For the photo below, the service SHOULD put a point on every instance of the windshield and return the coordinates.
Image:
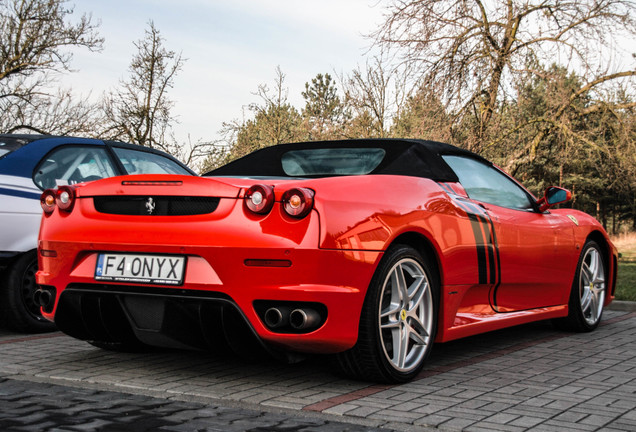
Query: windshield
(331, 161)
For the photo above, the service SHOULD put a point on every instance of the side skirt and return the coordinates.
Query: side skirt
(473, 323)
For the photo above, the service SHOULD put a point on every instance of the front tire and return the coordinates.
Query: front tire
(19, 310)
(587, 296)
(398, 321)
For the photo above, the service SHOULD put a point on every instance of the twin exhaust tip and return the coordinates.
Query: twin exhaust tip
(304, 319)
(45, 298)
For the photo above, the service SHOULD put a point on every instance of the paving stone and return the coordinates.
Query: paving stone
(486, 426)
(501, 418)
(432, 420)
(456, 424)
(529, 378)
(526, 421)
(596, 420)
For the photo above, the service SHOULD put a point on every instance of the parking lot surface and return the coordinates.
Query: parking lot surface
(530, 377)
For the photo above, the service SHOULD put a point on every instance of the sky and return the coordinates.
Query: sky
(229, 47)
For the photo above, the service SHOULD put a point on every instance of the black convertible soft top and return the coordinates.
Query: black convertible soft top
(409, 157)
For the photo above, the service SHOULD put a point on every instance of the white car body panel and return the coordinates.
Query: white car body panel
(20, 216)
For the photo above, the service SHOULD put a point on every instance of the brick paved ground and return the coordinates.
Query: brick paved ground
(528, 378)
(36, 407)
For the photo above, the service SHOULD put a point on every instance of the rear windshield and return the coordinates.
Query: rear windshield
(7, 145)
(331, 161)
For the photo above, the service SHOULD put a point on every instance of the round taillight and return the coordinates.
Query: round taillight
(259, 198)
(47, 201)
(298, 202)
(65, 198)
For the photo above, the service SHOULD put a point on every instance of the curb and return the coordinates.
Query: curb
(621, 305)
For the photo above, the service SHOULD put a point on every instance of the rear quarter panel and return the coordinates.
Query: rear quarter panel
(371, 212)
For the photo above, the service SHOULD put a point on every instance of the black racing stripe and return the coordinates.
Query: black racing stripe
(446, 188)
(490, 245)
(490, 248)
(476, 225)
(494, 237)
(495, 268)
(494, 240)
(483, 238)
(480, 245)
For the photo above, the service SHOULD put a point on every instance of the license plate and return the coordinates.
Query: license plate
(155, 269)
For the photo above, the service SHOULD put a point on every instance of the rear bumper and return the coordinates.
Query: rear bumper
(232, 258)
(218, 284)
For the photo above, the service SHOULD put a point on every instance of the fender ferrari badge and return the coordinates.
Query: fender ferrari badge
(573, 219)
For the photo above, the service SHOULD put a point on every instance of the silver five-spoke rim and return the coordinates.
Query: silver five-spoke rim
(406, 315)
(592, 286)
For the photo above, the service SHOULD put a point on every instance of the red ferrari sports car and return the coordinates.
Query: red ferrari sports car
(367, 249)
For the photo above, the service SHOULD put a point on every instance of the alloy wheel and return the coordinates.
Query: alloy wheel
(406, 315)
(592, 286)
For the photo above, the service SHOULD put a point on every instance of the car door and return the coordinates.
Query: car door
(527, 244)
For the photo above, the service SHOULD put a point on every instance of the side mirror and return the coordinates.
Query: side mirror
(553, 196)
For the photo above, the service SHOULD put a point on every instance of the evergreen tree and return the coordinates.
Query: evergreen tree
(324, 112)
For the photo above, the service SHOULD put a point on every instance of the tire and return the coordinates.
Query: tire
(19, 310)
(585, 306)
(401, 305)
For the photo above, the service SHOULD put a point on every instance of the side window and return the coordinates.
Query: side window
(141, 162)
(487, 184)
(73, 164)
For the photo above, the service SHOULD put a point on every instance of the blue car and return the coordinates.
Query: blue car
(28, 165)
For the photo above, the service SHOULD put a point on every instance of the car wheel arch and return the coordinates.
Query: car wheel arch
(426, 247)
(610, 261)
(369, 359)
(429, 250)
(18, 279)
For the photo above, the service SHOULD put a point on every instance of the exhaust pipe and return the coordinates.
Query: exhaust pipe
(303, 319)
(43, 298)
(36, 297)
(276, 317)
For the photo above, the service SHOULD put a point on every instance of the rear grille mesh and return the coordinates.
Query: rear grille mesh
(155, 205)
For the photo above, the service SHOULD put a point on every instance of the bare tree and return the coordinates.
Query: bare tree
(36, 38)
(56, 114)
(139, 111)
(374, 95)
(469, 49)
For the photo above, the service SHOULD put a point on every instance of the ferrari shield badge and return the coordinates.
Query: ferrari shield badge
(150, 205)
(573, 219)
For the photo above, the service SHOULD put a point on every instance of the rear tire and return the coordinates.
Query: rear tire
(17, 306)
(398, 321)
(587, 295)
